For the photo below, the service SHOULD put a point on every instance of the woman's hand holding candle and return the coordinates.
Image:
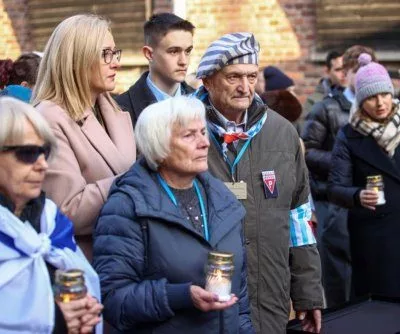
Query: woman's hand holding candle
(208, 301)
(368, 198)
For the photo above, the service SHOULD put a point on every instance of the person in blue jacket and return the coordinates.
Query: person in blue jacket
(155, 231)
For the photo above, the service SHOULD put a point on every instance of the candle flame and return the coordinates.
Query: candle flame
(214, 276)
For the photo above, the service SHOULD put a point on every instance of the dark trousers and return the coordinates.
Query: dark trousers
(334, 249)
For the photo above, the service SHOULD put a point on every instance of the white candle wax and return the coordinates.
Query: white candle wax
(381, 198)
(219, 285)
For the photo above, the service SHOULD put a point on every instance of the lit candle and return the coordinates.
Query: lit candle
(375, 182)
(219, 285)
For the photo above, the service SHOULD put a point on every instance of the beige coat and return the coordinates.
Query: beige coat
(86, 162)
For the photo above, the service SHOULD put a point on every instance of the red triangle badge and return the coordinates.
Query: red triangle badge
(269, 179)
(270, 183)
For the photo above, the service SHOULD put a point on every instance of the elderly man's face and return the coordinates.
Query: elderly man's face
(21, 182)
(232, 89)
(189, 149)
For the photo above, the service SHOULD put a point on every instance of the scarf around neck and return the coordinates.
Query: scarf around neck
(26, 296)
(213, 122)
(386, 134)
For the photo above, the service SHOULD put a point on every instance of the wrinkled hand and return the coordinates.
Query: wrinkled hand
(92, 316)
(72, 312)
(208, 301)
(310, 320)
(368, 198)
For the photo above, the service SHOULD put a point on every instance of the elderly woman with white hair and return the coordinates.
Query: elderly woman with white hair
(35, 237)
(161, 220)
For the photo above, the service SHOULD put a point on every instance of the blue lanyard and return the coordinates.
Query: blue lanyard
(233, 165)
(200, 198)
(252, 132)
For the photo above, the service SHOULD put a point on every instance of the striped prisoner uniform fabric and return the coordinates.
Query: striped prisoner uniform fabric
(235, 48)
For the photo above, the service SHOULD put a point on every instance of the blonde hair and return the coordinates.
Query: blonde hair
(71, 53)
(13, 113)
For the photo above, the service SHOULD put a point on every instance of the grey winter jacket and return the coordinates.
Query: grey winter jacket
(277, 272)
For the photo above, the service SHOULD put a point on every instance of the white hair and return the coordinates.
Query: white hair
(13, 113)
(155, 123)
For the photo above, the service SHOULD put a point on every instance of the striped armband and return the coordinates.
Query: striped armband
(300, 231)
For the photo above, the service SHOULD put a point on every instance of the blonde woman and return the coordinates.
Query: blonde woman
(94, 137)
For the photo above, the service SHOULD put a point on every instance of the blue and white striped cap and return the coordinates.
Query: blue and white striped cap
(236, 48)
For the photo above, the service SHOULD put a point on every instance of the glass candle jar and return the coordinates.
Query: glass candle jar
(69, 285)
(375, 182)
(219, 273)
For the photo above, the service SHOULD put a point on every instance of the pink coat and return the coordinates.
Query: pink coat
(86, 162)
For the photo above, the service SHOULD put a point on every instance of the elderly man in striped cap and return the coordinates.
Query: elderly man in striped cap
(258, 155)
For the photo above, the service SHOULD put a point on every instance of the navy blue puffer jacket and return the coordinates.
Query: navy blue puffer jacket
(147, 256)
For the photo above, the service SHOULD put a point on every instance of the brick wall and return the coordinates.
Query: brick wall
(14, 30)
(162, 6)
(284, 28)
(10, 47)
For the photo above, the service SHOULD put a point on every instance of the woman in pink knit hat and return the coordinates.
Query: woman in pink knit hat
(368, 147)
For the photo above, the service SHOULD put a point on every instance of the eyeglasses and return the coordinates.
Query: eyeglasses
(28, 154)
(108, 55)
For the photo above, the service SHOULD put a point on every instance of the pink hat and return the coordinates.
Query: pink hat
(371, 79)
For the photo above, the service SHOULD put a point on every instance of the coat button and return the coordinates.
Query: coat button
(247, 241)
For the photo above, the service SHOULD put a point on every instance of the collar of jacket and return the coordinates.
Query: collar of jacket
(141, 96)
(101, 101)
(366, 149)
(324, 86)
(110, 141)
(337, 95)
(224, 212)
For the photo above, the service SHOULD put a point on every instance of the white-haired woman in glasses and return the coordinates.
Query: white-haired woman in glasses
(94, 137)
(35, 238)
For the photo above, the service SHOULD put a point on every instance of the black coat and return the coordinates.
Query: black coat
(319, 133)
(139, 96)
(374, 235)
(147, 256)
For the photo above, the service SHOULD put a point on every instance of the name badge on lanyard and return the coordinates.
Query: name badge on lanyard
(270, 186)
(239, 189)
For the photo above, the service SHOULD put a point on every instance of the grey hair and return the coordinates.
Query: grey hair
(13, 113)
(155, 123)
